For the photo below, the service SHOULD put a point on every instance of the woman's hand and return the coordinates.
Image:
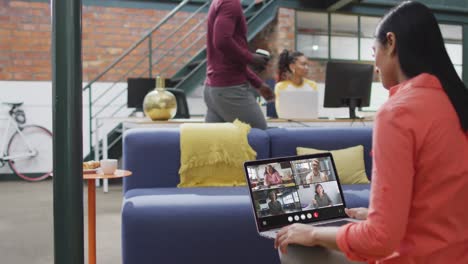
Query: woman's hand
(357, 213)
(306, 235)
(314, 201)
(266, 92)
(299, 234)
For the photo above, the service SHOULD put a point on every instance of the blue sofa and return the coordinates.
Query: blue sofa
(165, 224)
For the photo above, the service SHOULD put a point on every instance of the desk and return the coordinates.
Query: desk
(92, 208)
(277, 122)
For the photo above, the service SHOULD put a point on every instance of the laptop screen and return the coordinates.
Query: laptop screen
(299, 189)
(298, 104)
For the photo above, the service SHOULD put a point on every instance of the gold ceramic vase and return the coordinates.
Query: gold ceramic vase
(160, 104)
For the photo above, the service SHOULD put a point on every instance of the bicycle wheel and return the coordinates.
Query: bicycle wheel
(39, 166)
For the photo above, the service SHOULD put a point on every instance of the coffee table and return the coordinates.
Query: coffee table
(91, 178)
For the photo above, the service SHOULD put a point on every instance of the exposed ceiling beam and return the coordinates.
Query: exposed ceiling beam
(339, 4)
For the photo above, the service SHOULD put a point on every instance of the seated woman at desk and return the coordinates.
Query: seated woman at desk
(316, 175)
(292, 70)
(272, 177)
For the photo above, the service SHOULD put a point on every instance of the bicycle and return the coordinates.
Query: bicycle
(29, 148)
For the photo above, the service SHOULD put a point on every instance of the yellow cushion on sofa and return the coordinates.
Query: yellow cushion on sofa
(212, 155)
(349, 163)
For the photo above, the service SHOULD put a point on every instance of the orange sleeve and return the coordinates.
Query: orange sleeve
(391, 189)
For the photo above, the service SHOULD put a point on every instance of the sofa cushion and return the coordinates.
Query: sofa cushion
(349, 163)
(192, 225)
(153, 155)
(284, 141)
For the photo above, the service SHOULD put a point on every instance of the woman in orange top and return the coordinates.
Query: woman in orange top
(418, 211)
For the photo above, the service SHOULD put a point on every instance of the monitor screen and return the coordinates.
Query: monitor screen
(137, 90)
(348, 85)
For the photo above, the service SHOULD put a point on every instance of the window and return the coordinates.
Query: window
(312, 34)
(327, 36)
(453, 36)
(350, 36)
(288, 199)
(366, 35)
(344, 37)
(252, 173)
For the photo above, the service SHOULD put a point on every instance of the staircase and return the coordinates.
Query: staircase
(181, 54)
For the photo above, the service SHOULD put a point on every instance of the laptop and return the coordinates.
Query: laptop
(307, 191)
(300, 104)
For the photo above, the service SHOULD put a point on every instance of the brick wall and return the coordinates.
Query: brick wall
(25, 41)
(25, 46)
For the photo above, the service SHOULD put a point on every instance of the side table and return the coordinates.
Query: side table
(91, 178)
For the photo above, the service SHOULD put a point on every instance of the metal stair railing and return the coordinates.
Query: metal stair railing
(149, 54)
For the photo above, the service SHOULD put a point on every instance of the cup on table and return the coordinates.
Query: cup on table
(108, 166)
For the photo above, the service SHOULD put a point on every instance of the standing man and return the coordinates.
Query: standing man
(227, 91)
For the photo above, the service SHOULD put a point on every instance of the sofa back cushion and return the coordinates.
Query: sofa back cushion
(153, 155)
(284, 141)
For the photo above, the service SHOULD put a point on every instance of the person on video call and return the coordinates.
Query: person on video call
(316, 175)
(292, 70)
(272, 176)
(408, 221)
(274, 205)
(227, 92)
(321, 198)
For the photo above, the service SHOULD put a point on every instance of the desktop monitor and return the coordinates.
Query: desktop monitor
(348, 85)
(137, 90)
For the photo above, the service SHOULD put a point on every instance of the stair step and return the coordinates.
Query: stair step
(194, 64)
(173, 81)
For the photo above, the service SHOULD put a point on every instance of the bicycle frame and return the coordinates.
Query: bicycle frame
(12, 123)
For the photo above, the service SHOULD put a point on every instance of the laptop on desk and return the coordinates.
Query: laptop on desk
(296, 197)
(300, 104)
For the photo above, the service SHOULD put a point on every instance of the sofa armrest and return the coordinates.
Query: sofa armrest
(153, 155)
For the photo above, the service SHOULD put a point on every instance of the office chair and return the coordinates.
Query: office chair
(182, 107)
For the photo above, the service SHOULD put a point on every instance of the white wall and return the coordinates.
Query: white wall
(37, 98)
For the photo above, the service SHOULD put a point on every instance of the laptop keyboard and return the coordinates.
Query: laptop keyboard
(272, 233)
(336, 223)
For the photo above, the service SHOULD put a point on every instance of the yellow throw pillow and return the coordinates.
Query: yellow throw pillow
(349, 163)
(213, 154)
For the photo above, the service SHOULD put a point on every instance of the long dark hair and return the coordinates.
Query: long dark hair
(420, 49)
(285, 58)
(319, 185)
(273, 170)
